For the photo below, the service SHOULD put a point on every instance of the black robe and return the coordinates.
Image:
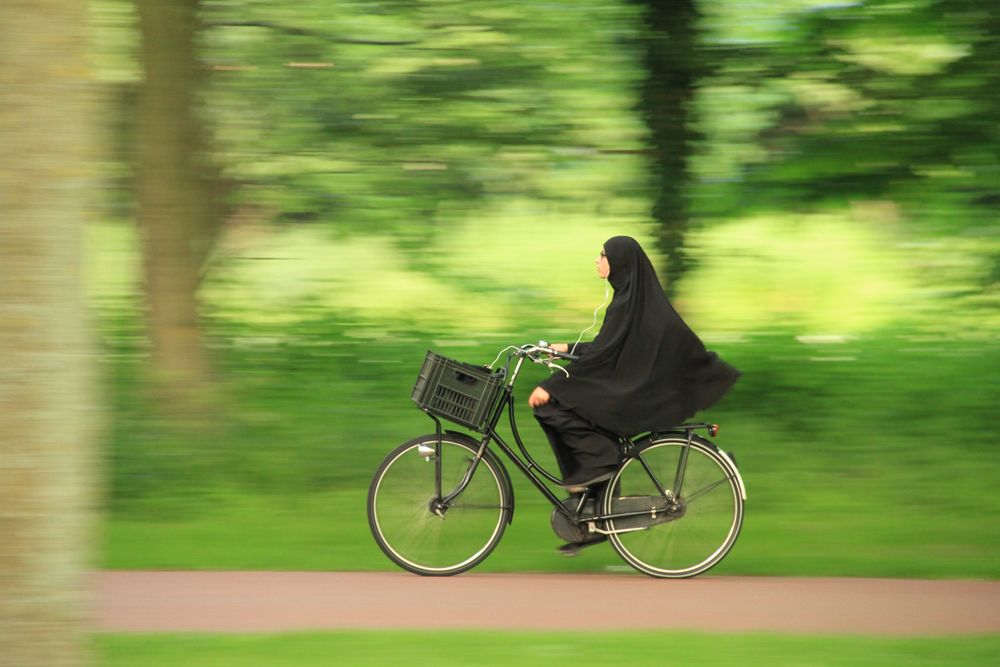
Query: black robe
(645, 369)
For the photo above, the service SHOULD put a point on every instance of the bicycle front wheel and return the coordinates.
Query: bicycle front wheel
(411, 526)
(702, 525)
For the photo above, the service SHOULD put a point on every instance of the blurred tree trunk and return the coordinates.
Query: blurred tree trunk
(47, 396)
(673, 64)
(178, 199)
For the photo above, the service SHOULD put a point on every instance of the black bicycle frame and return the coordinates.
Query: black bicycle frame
(506, 402)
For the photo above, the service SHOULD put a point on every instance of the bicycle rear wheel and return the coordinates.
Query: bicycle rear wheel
(416, 533)
(701, 528)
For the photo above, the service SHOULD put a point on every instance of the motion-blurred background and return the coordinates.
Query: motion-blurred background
(271, 210)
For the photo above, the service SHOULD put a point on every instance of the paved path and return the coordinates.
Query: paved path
(282, 601)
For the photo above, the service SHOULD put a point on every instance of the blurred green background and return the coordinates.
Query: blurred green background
(301, 198)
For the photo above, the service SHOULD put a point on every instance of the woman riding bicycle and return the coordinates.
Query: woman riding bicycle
(672, 507)
(644, 370)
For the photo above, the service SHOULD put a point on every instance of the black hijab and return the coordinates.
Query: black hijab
(645, 369)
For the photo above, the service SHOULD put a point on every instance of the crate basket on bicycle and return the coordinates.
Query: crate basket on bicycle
(456, 391)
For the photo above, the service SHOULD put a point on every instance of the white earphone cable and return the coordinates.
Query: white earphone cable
(607, 291)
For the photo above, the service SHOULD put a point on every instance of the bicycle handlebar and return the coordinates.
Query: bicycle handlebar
(534, 351)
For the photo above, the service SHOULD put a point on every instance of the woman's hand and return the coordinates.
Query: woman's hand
(560, 347)
(538, 397)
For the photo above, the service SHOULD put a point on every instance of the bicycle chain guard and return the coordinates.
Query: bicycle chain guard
(651, 516)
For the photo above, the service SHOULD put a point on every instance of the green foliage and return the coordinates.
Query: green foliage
(391, 113)
(404, 119)
(855, 101)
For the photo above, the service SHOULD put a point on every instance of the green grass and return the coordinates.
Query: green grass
(488, 649)
(330, 532)
(879, 462)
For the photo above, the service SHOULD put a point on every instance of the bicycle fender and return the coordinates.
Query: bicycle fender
(739, 478)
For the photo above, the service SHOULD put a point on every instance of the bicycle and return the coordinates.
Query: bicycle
(439, 504)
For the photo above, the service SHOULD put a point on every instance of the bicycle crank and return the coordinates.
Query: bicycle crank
(566, 529)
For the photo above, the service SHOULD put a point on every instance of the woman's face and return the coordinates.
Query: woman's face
(603, 267)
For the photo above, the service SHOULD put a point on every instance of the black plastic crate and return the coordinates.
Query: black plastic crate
(462, 393)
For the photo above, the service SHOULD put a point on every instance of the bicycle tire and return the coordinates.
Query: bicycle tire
(402, 519)
(708, 520)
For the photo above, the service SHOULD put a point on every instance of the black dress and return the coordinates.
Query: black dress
(645, 369)
(582, 450)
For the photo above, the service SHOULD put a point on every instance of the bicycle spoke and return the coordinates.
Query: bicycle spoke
(475, 507)
(690, 497)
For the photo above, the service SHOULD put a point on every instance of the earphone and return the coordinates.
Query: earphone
(607, 291)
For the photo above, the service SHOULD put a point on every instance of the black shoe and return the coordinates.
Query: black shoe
(578, 483)
(573, 548)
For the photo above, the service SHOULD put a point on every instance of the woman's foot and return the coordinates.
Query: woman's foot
(574, 548)
(580, 480)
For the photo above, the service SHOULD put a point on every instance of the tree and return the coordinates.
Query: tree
(46, 378)
(179, 192)
(674, 63)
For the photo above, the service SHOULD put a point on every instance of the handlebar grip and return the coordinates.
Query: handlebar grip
(531, 349)
(547, 346)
